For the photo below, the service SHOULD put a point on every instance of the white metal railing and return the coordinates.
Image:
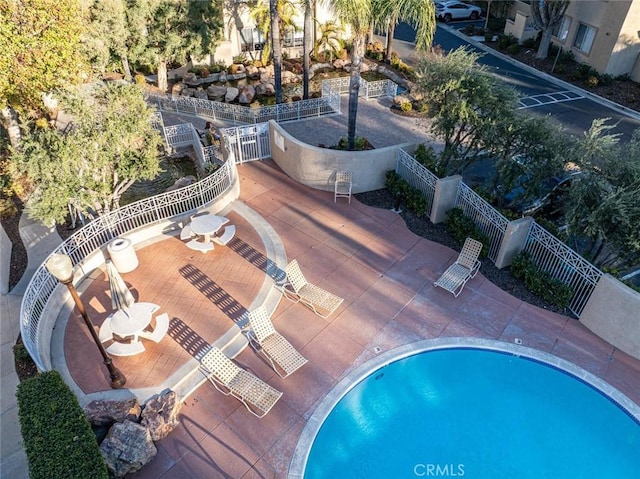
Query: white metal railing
(556, 258)
(418, 176)
(368, 89)
(237, 114)
(488, 220)
(247, 143)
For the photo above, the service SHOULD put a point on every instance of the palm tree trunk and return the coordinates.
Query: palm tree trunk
(354, 89)
(276, 48)
(10, 123)
(390, 31)
(307, 46)
(163, 84)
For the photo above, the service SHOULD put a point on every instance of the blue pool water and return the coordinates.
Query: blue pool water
(477, 414)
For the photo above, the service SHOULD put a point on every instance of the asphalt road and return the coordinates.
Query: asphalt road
(575, 116)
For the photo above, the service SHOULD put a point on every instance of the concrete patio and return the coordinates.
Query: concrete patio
(383, 271)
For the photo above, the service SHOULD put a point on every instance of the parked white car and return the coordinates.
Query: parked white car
(454, 10)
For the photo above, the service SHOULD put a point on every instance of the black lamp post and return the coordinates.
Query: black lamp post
(60, 266)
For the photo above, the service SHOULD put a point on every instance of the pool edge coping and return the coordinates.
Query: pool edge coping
(298, 462)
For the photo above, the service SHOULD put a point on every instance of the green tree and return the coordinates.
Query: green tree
(106, 35)
(41, 51)
(111, 144)
(603, 204)
(547, 14)
(168, 31)
(470, 105)
(419, 13)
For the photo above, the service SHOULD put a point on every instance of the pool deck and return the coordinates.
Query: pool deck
(383, 271)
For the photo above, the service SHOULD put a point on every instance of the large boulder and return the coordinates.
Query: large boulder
(265, 89)
(247, 94)
(104, 413)
(182, 182)
(318, 66)
(201, 94)
(339, 64)
(160, 415)
(232, 94)
(188, 92)
(177, 89)
(190, 78)
(127, 448)
(216, 92)
(252, 72)
(223, 77)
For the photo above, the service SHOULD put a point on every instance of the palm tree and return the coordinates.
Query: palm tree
(329, 40)
(307, 44)
(359, 14)
(419, 13)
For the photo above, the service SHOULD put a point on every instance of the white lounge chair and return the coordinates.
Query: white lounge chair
(160, 331)
(224, 238)
(465, 268)
(126, 349)
(297, 288)
(284, 358)
(342, 185)
(229, 378)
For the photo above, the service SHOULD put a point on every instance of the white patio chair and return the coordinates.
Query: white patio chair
(465, 268)
(297, 288)
(126, 349)
(343, 185)
(284, 358)
(229, 378)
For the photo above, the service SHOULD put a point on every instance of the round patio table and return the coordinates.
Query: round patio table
(207, 225)
(132, 321)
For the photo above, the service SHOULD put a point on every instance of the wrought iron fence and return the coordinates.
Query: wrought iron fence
(488, 220)
(247, 143)
(417, 176)
(367, 89)
(237, 114)
(561, 262)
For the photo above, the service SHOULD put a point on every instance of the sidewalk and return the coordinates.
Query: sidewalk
(39, 241)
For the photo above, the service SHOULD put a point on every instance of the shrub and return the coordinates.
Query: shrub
(488, 36)
(606, 79)
(504, 41)
(623, 77)
(412, 197)
(204, 72)
(57, 436)
(529, 43)
(406, 106)
(513, 49)
(140, 79)
(462, 227)
(592, 82)
(566, 56)
(496, 24)
(478, 31)
(469, 29)
(540, 282)
(233, 69)
(428, 158)
(240, 58)
(560, 68)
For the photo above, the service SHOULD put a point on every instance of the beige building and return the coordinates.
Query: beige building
(602, 33)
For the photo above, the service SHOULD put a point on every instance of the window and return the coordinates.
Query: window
(561, 30)
(293, 38)
(584, 38)
(251, 39)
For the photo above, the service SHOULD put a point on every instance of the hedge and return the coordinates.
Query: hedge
(57, 437)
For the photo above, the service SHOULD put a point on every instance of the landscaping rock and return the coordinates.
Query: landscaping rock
(201, 94)
(160, 415)
(127, 448)
(318, 66)
(216, 92)
(181, 183)
(188, 92)
(340, 64)
(252, 71)
(105, 413)
(265, 89)
(177, 89)
(232, 94)
(247, 94)
(189, 78)
(223, 77)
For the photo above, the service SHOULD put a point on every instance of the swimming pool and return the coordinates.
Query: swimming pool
(476, 413)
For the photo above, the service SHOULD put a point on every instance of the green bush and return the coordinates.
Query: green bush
(529, 43)
(57, 436)
(540, 282)
(566, 56)
(606, 79)
(513, 49)
(412, 197)
(560, 68)
(140, 79)
(406, 106)
(496, 24)
(428, 158)
(504, 41)
(469, 29)
(462, 227)
(488, 36)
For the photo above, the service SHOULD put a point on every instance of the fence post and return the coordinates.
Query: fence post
(444, 197)
(513, 241)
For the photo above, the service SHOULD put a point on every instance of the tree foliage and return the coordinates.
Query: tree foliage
(470, 105)
(168, 31)
(603, 204)
(547, 14)
(110, 145)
